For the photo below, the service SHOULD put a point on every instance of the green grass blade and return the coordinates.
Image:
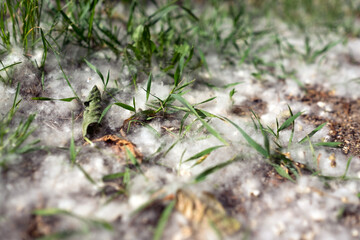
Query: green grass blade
(282, 172)
(45, 48)
(134, 104)
(188, 11)
(68, 82)
(72, 149)
(125, 106)
(132, 158)
(160, 13)
(205, 101)
(50, 212)
(129, 25)
(134, 161)
(203, 153)
(326, 48)
(86, 174)
(178, 72)
(251, 141)
(54, 99)
(203, 60)
(104, 112)
(328, 144)
(202, 176)
(110, 35)
(292, 129)
(163, 220)
(289, 121)
(205, 124)
(312, 132)
(113, 176)
(9, 66)
(96, 70)
(91, 19)
(77, 30)
(347, 168)
(148, 87)
(264, 133)
(15, 103)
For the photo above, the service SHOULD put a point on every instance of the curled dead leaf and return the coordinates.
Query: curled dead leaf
(92, 112)
(120, 145)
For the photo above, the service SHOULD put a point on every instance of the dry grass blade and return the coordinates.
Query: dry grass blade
(205, 210)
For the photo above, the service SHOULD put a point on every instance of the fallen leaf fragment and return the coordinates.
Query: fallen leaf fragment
(120, 145)
(38, 227)
(92, 111)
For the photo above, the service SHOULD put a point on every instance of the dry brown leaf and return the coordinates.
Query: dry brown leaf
(38, 227)
(119, 145)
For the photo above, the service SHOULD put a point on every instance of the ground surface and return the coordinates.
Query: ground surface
(199, 175)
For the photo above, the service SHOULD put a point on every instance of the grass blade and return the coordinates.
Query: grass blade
(205, 101)
(113, 176)
(188, 11)
(160, 13)
(125, 106)
(205, 124)
(91, 20)
(50, 212)
(312, 132)
(203, 153)
(68, 82)
(163, 220)
(328, 144)
(104, 112)
(73, 152)
(251, 141)
(148, 87)
(178, 72)
(347, 168)
(97, 71)
(202, 176)
(289, 121)
(9, 66)
(45, 50)
(52, 99)
(130, 19)
(87, 175)
(77, 30)
(282, 172)
(264, 133)
(132, 158)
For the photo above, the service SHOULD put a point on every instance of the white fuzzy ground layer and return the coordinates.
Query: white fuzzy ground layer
(307, 209)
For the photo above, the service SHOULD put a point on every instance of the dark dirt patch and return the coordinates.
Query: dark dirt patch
(342, 115)
(255, 104)
(349, 216)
